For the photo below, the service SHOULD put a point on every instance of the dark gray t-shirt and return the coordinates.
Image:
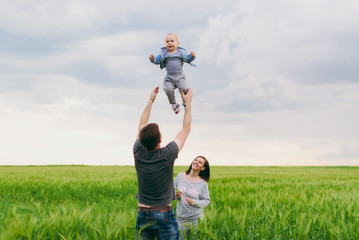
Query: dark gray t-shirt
(155, 173)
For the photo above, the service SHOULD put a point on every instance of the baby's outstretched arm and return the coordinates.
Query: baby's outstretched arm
(155, 59)
(193, 54)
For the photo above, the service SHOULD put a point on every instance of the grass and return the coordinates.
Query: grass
(88, 202)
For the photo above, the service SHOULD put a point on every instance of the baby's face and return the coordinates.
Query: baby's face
(171, 42)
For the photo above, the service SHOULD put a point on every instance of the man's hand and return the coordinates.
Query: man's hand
(187, 119)
(187, 98)
(154, 94)
(152, 58)
(147, 112)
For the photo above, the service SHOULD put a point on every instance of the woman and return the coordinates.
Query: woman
(192, 194)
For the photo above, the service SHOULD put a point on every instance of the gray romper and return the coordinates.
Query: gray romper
(175, 77)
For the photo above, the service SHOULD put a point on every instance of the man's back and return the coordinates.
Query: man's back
(155, 174)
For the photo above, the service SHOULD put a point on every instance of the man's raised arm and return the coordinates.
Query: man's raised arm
(147, 112)
(187, 119)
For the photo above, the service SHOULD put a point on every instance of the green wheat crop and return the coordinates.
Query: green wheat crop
(98, 202)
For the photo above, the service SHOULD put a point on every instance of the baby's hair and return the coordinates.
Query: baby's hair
(174, 34)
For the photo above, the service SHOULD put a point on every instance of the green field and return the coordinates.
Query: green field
(91, 202)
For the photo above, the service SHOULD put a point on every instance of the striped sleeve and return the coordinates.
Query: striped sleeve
(204, 198)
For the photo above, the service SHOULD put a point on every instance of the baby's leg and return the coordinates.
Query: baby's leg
(169, 88)
(182, 83)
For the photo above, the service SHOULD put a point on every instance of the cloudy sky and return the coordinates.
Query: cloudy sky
(276, 82)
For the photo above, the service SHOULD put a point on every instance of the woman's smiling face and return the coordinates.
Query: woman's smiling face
(198, 164)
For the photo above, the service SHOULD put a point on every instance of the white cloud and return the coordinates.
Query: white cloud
(61, 120)
(276, 82)
(280, 37)
(54, 18)
(58, 119)
(121, 54)
(116, 56)
(282, 75)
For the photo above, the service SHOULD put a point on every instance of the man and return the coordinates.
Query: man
(154, 167)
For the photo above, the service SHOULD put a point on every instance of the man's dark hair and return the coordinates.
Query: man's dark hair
(150, 136)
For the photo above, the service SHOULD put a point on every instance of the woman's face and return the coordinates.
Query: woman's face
(198, 164)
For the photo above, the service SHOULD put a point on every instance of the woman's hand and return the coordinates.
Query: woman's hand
(178, 194)
(190, 201)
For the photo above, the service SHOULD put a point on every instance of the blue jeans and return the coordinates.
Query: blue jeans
(161, 224)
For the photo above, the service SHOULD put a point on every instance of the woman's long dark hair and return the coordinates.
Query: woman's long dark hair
(204, 174)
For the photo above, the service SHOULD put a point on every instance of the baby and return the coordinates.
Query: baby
(172, 58)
